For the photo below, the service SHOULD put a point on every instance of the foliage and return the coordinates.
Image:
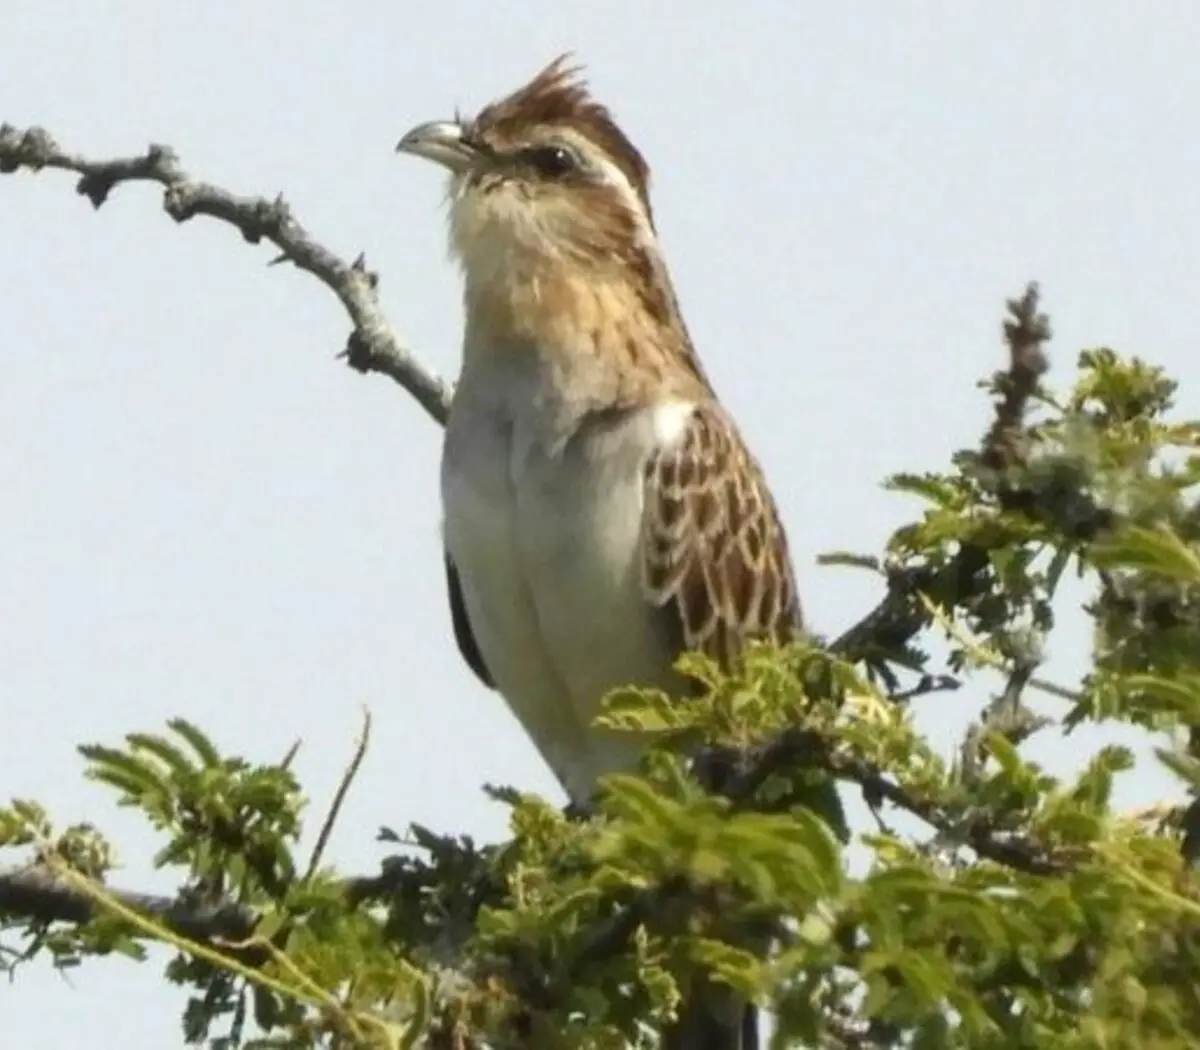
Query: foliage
(990, 904)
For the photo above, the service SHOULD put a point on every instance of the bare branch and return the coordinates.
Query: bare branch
(373, 345)
(339, 798)
(36, 893)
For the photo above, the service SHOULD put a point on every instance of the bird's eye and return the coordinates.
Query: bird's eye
(551, 161)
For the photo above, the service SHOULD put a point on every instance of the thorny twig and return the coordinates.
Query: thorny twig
(1026, 330)
(900, 616)
(373, 345)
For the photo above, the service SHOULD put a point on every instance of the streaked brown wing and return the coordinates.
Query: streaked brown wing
(463, 634)
(716, 555)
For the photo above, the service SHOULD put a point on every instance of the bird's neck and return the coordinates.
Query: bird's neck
(593, 334)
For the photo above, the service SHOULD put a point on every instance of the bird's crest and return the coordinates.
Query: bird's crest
(559, 95)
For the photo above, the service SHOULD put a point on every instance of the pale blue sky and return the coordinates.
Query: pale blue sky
(207, 515)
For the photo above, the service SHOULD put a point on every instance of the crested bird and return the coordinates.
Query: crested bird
(601, 512)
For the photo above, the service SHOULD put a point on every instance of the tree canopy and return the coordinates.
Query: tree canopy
(988, 903)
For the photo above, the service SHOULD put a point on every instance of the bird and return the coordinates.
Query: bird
(601, 511)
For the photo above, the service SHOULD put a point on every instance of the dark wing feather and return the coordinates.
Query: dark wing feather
(463, 634)
(716, 555)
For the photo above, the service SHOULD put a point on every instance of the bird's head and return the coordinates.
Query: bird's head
(543, 178)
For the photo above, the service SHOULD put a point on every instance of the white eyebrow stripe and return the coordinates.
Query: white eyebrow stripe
(612, 175)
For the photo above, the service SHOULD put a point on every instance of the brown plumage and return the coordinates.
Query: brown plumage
(558, 97)
(602, 513)
(716, 555)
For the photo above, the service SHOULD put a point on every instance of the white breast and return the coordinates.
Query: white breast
(544, 531)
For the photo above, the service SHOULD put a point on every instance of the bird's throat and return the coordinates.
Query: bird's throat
(587, 326)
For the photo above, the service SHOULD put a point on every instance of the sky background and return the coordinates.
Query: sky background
(206, 514)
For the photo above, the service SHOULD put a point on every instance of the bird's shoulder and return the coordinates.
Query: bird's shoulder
(715, 552)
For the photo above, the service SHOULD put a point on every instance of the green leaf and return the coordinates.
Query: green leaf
(935, 488)
(1005, 753)
(1156, 551)
(641, 710)
(1184, 766)
(1180, 694)
(634, 800)
(162, 749)
(420, 997)
(107, 761)
(926, 975)
(135, 788)
(738, 968)
(205, 751)
(31, 817)
(823, 798)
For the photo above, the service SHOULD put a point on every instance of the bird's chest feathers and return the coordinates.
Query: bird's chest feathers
(558, 507)
(543, 518)
(560, 516)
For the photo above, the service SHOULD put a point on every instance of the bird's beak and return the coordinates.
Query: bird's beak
(442, 141)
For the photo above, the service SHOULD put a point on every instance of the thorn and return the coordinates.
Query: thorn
(282, 257)
(359, 266)
(288, 758)
(9, 139)
(162, 159)
(272, 214)
(356, 353)
(95, 188)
